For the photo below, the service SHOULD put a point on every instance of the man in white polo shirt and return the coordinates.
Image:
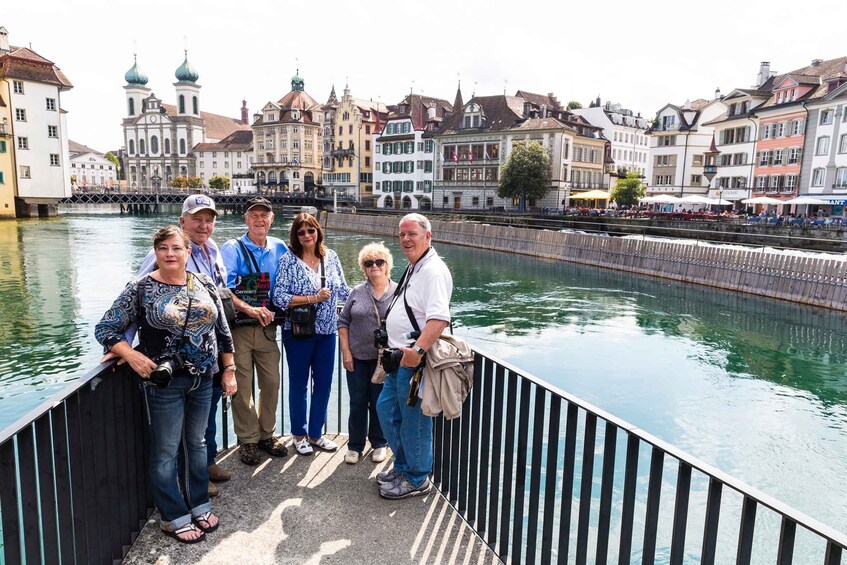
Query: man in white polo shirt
(422, 309)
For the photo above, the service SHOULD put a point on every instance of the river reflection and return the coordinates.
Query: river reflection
(753, 386)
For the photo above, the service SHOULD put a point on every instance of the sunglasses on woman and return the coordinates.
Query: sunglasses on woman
(310, 231)
(370, 263)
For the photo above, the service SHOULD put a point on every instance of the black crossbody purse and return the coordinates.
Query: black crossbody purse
(303, 317)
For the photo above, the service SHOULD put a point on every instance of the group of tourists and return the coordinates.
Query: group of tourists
(207, 318)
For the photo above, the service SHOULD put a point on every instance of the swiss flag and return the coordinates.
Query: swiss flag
(470, 157)
(455, 157)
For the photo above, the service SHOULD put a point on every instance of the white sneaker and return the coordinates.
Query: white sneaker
(323, 443)
(302, 446)
(379, 454)
(351, 457)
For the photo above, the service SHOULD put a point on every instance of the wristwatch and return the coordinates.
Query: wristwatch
(420, 350)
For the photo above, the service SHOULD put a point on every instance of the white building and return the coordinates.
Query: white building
(33, 87)
(231, 157)
(824, 172)
(626, 131)
(159, 137)
(90, 169)
(679, 138)
(403, 159)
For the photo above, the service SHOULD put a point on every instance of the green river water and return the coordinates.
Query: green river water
(755, 387)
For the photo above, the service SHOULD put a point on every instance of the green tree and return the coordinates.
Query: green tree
(628, 190)
(526, 173)
(195, 182)
(115, 161)
(180, 182)
(574, 105)
(219, 183)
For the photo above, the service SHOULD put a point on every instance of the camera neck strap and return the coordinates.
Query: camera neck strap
(401, 289)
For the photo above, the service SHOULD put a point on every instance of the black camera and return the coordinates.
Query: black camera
(381, 336)
(391, 360)
(161, 376)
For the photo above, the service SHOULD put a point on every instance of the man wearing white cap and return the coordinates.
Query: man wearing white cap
(198, 222)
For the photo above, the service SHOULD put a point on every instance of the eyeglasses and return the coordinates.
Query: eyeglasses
(370, 263)
(310, 231)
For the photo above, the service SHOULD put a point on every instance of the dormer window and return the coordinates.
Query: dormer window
(271, 117)
(473, 116)
(295, 114)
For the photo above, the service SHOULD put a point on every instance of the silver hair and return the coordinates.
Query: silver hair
(419, 219)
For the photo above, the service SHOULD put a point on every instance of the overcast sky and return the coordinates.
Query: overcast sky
(640, 54)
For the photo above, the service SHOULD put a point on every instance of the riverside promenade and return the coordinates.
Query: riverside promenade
(309, 510)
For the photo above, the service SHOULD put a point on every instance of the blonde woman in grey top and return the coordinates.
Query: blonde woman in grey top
(356, 325)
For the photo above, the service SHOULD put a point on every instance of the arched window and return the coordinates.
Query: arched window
(195, 106)
(181, 104)
(132, 106)
(182, 147)
(154, 145)
(183, 171)
(167, 146)
(141, 147)
(132, 147)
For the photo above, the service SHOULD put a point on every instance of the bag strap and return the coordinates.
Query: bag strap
(378, 319)
(323, 274)
(252, 264)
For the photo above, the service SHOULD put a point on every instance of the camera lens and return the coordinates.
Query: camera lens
(161, 375)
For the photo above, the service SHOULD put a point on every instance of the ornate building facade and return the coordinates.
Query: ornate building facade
(287, 137)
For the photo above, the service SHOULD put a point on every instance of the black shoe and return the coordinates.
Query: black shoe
(273, 446)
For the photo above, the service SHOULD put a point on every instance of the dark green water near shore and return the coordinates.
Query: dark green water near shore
(756, 387)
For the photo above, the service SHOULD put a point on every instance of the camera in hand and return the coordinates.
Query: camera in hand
(381, 336)
(161, 376)
(391, 360)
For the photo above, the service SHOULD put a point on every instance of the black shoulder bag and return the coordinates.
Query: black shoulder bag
(303, 317)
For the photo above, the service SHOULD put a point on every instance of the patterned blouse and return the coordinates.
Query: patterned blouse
(164, 309)
(295, 278)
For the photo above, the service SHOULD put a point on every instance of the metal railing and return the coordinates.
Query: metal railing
(521, 447)
(535, 471)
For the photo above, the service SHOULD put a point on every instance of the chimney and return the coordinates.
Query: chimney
(687, 105)
(543, 110)
(244, 112)
(718, 93)
(816, 62)
(764, 73)
(4, 40)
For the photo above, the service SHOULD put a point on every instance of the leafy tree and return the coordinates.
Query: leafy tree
(195, 182)
(180, 182)
(219, 183)
(526, 173)
(115, 161)
(574, 105)
(628, 190)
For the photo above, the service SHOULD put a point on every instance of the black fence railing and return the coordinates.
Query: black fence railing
(74, 486)
(541, 476)
(544, 477)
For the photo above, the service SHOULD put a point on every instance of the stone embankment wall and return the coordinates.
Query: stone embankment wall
(808, 280)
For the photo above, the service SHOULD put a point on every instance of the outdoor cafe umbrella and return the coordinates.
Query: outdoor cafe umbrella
(592, 195)
(807, 200)
(763, 200)
(719, 202)
(666, 199)
(695, 199)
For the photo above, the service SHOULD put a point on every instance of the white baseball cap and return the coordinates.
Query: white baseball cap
(197, 202)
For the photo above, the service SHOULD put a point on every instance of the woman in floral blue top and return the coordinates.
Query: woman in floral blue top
(310, 275)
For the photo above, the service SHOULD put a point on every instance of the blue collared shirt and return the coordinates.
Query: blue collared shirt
(267, 258)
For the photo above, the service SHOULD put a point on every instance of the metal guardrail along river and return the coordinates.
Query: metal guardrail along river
(519, 466)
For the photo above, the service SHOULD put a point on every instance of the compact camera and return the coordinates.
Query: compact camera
(391, 360)
(163, 373)
(381, 336)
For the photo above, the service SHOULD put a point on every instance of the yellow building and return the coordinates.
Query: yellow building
(350, 172)
(7, 157)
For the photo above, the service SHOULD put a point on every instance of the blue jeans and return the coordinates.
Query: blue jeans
(310, 357)
(363, 420)
(178, 415)
(408, 431)
(212, 426)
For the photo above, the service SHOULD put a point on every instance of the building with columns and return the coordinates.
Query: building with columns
(159, 138)
(404, 162)
(34, 168)
(287, 137)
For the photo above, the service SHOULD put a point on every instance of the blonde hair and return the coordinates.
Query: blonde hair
(376, 250)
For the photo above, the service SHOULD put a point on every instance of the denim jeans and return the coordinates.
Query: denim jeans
(408, 431)
(314, 358)
(178, 415)
(212, 426)
(363, 420)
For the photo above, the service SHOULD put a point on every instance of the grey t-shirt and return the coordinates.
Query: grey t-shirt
(359, 318)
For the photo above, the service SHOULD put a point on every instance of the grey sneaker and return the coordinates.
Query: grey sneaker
(402, 488)
(387, 477)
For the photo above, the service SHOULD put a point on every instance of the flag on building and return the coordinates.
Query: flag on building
(470, 157)
(455, 157)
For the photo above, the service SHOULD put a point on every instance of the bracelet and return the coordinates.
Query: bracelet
(230, 368)
(309, 298)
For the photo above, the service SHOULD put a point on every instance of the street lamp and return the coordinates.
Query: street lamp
(710, 167)
(156, 181)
